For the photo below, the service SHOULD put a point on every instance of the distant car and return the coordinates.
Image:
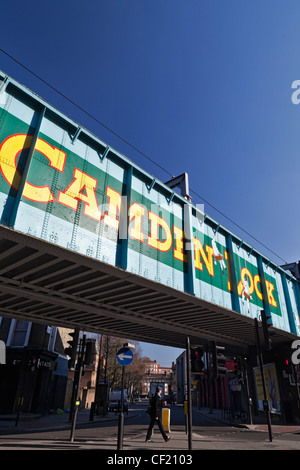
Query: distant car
(116, 406)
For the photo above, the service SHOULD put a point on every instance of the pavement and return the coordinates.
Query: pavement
(31, 422)
(259, 423)
(179, 440)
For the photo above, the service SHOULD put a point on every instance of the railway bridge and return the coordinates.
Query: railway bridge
(90, 240)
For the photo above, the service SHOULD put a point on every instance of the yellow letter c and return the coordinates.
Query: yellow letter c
(9, 151)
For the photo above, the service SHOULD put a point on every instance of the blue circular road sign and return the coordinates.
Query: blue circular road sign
(124, 356)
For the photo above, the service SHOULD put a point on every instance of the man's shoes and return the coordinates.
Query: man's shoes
(168, 439)
(148, 440)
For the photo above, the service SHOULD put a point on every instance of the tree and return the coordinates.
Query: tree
(112, 370)
(134, 372)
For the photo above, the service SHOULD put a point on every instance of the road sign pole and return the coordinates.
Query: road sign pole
(77, 380)
(124, 358)
(121, 416)
(261, 365)
(189, 395)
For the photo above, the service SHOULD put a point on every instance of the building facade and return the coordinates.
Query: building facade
(34, 378)
(241, 387)
(155, 374)
(90, 376)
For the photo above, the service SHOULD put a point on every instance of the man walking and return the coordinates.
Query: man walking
(155, 415)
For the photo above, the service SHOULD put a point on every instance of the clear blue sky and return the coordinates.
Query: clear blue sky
(202, 87)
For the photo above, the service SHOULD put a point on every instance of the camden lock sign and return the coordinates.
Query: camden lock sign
(149, 224)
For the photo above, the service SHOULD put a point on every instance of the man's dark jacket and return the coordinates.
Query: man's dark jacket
(156, 407)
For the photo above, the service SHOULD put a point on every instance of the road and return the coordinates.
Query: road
(207, 434)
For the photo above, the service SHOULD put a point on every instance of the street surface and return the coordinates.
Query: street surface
(102, 434)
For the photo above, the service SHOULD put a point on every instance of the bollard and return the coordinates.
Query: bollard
(166, 412)
(185, 410)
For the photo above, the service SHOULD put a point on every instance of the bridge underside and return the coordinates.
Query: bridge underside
(44, 283)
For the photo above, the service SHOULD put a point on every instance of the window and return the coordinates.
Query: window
(51, 330)
(19, 333)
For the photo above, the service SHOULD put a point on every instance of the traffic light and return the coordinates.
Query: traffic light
(71, 351)
(34, 364)
(236, 366)
(90, 350)
(218, 359)
(197, 363)
(266, 324)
